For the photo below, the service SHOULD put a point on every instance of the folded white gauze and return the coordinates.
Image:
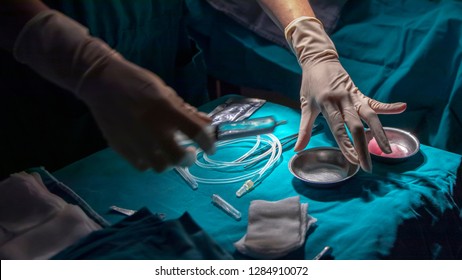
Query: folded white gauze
(275, 228)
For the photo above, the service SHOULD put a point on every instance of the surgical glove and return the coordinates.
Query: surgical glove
(136, 111)
(328, 89)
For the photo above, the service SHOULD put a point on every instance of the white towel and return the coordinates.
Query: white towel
(275, 228)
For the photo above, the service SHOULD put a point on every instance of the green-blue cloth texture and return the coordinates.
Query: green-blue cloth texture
(404, 210)
(144, 236)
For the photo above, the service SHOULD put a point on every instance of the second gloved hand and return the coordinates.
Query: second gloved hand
(140, 115)
(137, 112)
(328, 89)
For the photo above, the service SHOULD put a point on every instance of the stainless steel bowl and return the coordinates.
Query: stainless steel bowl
(404, 145)
(322, 167)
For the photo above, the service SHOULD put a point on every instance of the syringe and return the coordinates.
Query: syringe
(232, 130)
(250, 127)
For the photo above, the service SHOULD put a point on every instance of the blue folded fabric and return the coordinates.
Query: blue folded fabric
(67, 194)
(145, 236)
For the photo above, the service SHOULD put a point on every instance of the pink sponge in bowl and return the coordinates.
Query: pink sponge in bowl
(403, 145)
(397, 151)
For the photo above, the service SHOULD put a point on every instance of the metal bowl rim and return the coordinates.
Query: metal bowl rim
(407, 133)
(318, 182)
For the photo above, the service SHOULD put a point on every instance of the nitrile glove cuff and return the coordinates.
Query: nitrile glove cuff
(308, 40)
(59, 49)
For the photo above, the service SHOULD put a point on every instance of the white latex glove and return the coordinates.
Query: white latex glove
(136, 111)
(328, 89)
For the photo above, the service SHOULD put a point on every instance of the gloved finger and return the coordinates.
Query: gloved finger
(337, 125)
(176, 154)
(309, 115)
(386, 108)
(372, 120)
(205, 139)
(131, 157)
(188, 107)
(356, 128)
(204, 117)
(201, 115)
(158, 160)
(198, 130)
(137, 147)
(189, 158)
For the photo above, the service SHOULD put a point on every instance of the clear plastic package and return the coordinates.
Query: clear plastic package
(235, 109)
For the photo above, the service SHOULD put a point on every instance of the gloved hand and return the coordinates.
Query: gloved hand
(136, 111)
(328, 89)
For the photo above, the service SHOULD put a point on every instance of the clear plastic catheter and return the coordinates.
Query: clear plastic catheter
(272, 151)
